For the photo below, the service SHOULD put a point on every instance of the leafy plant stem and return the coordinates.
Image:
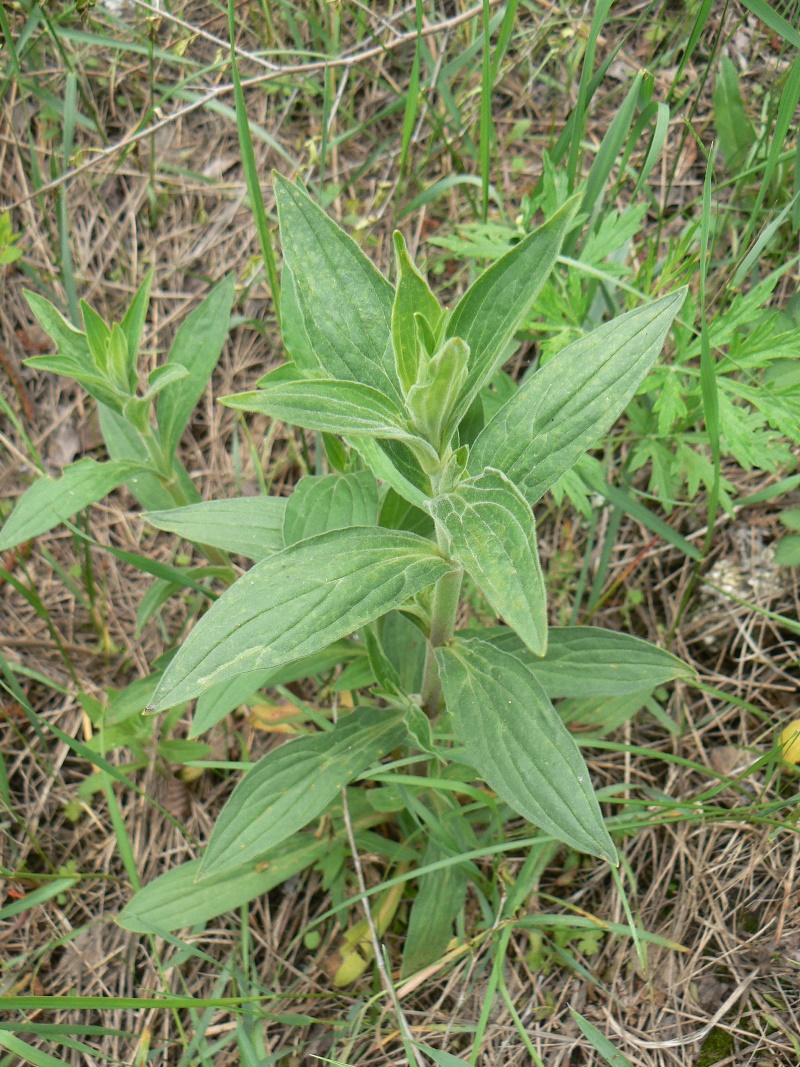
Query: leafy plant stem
(443, 624)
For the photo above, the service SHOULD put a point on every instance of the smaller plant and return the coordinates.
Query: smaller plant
(360, 573)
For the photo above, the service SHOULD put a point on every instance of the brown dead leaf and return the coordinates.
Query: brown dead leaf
(282, 718)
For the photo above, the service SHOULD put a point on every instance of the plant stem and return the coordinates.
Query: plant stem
(443, 622)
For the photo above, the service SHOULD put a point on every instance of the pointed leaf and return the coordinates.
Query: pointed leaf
(491, 311)
(562, 409)
(251, 526)
(585, 661)
(297, 602)
(183, 897)
(412, 297)
(293, 328)
(518, 744)
(197, 346)
(328, 405)
(439, 899)
(345, 302)
(70, 342)
(51, 500)
(295, 783)
(332, 502)
(133, 323)
(490, 530)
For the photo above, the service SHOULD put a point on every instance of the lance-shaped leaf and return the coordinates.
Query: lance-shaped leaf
(328, 405)
(51, 500)
(331, 502)
(516, 741)
(490, 530)
(197, 347)
(295, 783)
(492, 310)
(585, 661)
(412, 297)
(251, 526)
(298, 601)
(562, 409)
(346, 303)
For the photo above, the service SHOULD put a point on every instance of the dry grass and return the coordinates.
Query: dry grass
(720, 880)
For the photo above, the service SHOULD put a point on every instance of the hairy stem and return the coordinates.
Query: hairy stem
(443, 622)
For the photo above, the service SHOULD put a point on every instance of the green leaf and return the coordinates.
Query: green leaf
(585, 661)
(250, 526)
(491, 311)
(385, 470)
(398, 514)
(734, 129)
(412, 297)
(132, 324)
(71, 343)
(298, 601)
(293, 329)
(345, 302)
(516, 741)
(328, 405)
(51, 500)
(787, 551)
(161, 377)
(295, 783)
(215, 703)
(439, 899)
(600, 1042)
(197, 347)
(183, 897)
(489, 528)
(562, 409)
(432, 401)
(404, 645)
(330, 502)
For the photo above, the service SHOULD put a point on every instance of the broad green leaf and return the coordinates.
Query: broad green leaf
(412, 297)
(489, 528)
(585, 661)
(385, 470)
(404, 645)
(330, 502)
(95, 385)
(562, 409)
(297, 602)
(215, 703)
(51, 500)
(734, 129)
(71, 343)
(293, 329)
(516, 741)
(327, 405)
(491, 311)
(787, 551)
(183, 897)
(398, 514)
(250, 526)
(197, 347)
(123, 442)
(345, 302)
(439, 899)
(295, 783)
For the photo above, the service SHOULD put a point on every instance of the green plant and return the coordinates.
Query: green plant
(363, 567)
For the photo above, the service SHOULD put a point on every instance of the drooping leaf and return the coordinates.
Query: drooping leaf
(215, 703)
(295, 783)
(330, 502)
(51, 500)
(345, 302)
(197, 347)
(297, 602)
(491, 311)
(562, 409)
(516, 741)
(490, 530)
(250, 526)
(412, 297)
(327, 405)
(183, 897)
(585, 661)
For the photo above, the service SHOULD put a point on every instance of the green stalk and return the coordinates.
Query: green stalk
(443, 624)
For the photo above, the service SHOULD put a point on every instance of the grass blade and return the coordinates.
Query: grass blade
(412, 96)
